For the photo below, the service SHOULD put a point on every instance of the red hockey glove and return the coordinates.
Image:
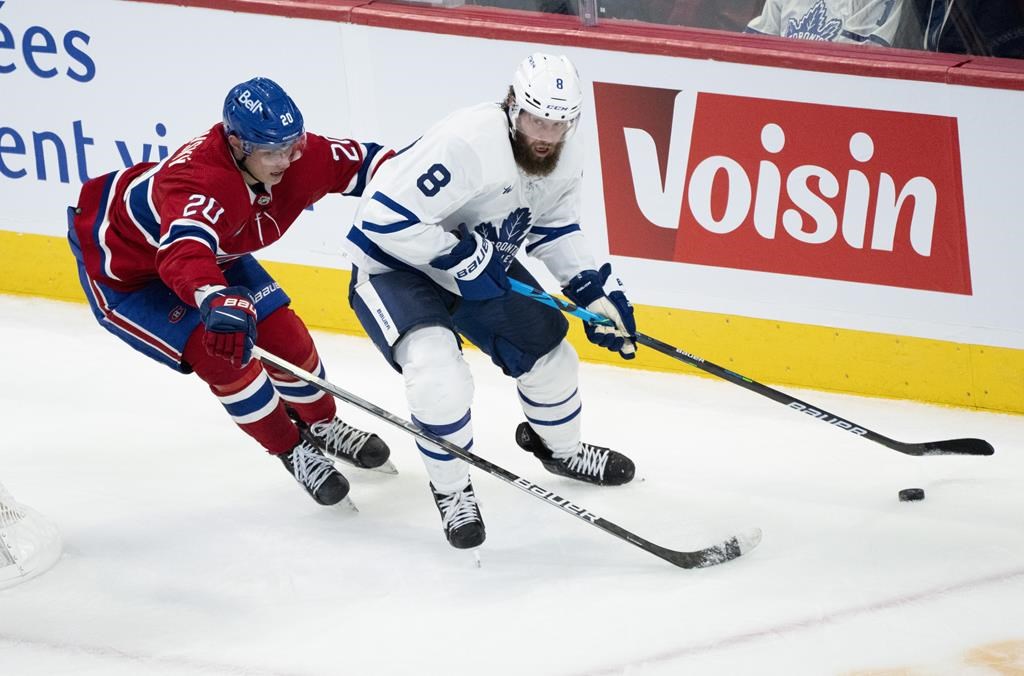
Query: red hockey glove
(229, 316)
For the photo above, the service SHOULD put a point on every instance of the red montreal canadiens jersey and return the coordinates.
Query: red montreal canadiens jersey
(184, 219)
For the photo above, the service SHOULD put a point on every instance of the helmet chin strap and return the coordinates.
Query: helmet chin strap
(247, 175)
(240, 162)
(511, 124)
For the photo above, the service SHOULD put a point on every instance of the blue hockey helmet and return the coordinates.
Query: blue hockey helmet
(262, 116)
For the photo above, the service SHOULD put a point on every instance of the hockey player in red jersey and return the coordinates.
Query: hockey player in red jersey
(164, 256)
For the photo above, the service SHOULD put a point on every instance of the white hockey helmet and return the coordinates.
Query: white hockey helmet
(547, 87)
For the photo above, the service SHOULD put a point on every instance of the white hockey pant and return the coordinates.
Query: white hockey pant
(439, 389)
(550, 398)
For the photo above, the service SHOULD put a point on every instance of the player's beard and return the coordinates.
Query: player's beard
(530, 163)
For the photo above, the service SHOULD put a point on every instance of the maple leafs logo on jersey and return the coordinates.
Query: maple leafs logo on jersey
(510, 235)
(814, 25)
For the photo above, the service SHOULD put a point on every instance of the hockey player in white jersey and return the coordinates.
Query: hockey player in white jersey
(434, 240)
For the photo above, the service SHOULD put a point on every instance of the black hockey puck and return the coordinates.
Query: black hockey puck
(911, 494)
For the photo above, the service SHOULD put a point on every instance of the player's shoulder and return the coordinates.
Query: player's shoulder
(331, 147)
(470, 142)
(481, 119)
(208, 152)
(477, 130)
(203, 166)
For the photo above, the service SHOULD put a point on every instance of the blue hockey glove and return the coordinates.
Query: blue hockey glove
(229, 316)
(587, 290)
(477, 270)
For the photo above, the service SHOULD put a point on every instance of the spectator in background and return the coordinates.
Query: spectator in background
(727, 15)
(848, 21)
(989, 28)
(546, 6)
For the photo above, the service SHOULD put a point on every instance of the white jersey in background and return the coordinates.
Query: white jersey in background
(463, 171)
(845, 21)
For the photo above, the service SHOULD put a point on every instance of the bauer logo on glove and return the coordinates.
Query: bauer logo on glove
(483, 254)
(229, 315)
(478, 273)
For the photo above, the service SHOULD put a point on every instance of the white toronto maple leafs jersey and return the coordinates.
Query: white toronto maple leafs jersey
(849, 21)
(462, 171)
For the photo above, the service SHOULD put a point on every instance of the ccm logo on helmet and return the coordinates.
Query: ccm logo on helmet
(783, 187)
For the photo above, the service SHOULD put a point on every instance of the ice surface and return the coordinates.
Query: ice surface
(188, 551)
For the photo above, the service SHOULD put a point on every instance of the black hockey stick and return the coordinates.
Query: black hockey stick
(945, 447)
(724, 551)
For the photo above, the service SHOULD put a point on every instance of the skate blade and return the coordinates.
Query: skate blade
(346, 505)
(476, 558)
(387, 468)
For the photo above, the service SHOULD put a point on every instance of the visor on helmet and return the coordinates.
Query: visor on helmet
(541, 129)
(291, 150)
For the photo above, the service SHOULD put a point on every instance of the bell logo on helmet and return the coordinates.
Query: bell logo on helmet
(253, 105)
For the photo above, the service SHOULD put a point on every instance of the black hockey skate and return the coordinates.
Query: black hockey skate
(592, 464)
(460, 516)
(340, 440)
(315, 472)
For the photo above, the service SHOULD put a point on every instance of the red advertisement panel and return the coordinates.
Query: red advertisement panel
(833, 192)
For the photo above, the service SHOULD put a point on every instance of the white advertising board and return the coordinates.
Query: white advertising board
(874, 204)
(90, 86)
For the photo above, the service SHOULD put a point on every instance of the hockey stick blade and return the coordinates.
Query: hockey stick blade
(722, 552)
(948, 447)
(951, 447)
(731, 549)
